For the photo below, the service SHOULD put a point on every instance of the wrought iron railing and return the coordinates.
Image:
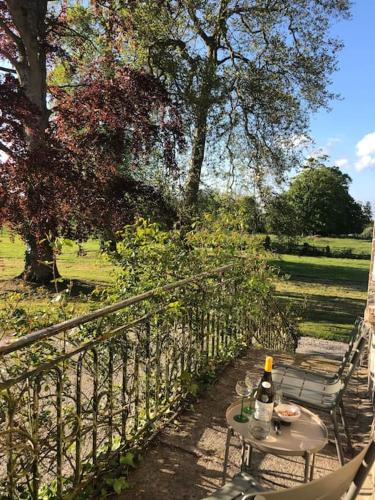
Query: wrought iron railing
(77, 394)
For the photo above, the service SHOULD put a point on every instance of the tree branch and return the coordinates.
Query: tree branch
(275, 7)
(7, 70)
(70, 85)
(12, 36)
(209, 40)
(220, 27)
(14, 124)
(225, 59)
(247, 26)
(179, 44)
(10, 58)
(233, 55)
(7, 151)
(76, 33)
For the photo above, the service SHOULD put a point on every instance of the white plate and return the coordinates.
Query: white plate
(290, 407)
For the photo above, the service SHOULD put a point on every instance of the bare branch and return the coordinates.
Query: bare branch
(7, 70)
(225, 59)
(12, 36)
(70, 85)
(233, 55)
(247, 26)
(10, 58)
(209, 40)
(7, 150)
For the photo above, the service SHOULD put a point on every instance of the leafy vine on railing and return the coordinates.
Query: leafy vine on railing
(77, 396)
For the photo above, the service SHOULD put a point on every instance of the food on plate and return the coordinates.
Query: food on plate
(288, 412)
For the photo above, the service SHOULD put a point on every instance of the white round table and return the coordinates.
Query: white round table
(304, 437)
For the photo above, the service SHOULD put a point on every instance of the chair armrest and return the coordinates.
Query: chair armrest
(309, 374)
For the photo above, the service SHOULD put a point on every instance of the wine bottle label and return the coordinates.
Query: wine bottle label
(263, 411)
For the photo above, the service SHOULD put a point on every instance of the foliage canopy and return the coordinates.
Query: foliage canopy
(247, 73)
(318, 202)
(71, 151)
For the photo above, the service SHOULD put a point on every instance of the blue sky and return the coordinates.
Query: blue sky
(347, 132)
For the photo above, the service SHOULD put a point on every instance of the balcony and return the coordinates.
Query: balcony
(186, 459)
(80, 399)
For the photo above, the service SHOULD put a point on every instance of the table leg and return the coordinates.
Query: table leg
(249, 454)
(312, 466)
(226, 453)
(243, 453)
(307, 466)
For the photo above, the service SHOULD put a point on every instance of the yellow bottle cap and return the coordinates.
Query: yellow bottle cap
(268, 364)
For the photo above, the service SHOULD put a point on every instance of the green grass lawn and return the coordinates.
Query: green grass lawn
(90, 267)
(331, 292)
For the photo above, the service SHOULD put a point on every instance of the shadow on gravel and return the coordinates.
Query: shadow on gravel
(186, 460)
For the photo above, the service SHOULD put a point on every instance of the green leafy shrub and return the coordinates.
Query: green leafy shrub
(149, 257)
(367, 233)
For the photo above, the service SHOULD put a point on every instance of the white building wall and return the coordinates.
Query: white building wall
(370, 316)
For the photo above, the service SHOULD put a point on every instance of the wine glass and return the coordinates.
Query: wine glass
(251, 385)
(243, 391)
(278, 395)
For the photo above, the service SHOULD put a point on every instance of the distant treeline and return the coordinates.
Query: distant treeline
(317, 202)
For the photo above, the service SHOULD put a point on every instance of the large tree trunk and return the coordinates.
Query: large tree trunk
(197, 157)
(40, 262)
(202, 108)
(32, 73)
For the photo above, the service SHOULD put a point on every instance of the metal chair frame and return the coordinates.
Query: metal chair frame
(359, 330)
(327, 397)
(347, 480)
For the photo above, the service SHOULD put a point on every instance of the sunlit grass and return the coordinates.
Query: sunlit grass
(357, 246)
(330, 293)
(90, 267)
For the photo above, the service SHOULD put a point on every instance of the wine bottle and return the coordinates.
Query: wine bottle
(265, 395)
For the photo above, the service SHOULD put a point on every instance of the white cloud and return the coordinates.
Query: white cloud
(364, 162)
(365, 152)
(332, 141)
(341, 162)
(318, 153)
(366, 145)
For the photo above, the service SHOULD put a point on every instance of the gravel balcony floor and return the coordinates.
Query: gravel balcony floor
(185, 461)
